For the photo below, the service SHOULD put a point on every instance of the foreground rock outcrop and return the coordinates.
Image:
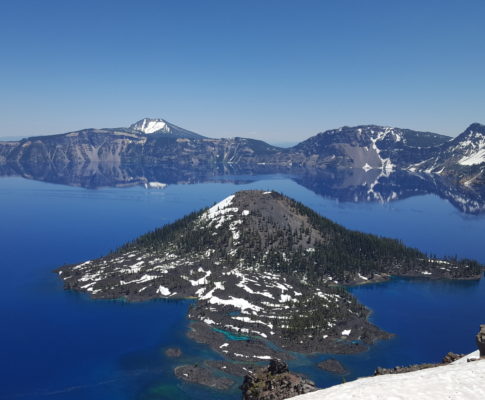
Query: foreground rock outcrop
(480, 339)
(275, 382)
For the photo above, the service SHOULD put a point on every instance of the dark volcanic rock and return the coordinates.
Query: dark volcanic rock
(173, 352)
(448, 358)
(277, 367)
(275, 382)
(400, 370)
(203, 375)
(231, 368)
(332, 365)
(451, 357)
(480, 338)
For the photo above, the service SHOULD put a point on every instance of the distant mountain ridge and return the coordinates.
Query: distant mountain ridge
(158, 142)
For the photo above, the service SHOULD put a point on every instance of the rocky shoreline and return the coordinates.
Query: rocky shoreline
(447, 359)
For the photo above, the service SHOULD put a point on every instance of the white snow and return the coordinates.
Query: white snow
(233, 228)
(366, 167)
(217, 213)
(474, 158)
(209, 295)
(387, 164)
(472, 148)
(201, 281)
(284, 298)
(219, 208)
(245, 280)
(471, 356)
(251, 321)
(144, 278)
(155, 185)
(235, 302)
(457, 381)
(163, 291)
(346, 332)
(148, 125)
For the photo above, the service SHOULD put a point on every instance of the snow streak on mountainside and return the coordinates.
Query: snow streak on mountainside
(466, 150)
(471, 146)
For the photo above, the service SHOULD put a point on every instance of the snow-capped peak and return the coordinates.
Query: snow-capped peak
(157, 125)
(151, 125)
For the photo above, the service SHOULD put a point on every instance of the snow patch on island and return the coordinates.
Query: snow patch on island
(163, 291)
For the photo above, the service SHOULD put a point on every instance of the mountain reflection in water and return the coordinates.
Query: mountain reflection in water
(344, 185)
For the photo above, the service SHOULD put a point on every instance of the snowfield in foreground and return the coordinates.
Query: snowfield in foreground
(460, 380)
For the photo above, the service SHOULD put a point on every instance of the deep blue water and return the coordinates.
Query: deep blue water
(62, 345)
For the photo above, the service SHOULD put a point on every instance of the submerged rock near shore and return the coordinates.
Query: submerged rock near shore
(332, 365)
(267, 273)
(173, 352)
(202, 375)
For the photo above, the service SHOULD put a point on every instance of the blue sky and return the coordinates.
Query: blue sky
(272, 69)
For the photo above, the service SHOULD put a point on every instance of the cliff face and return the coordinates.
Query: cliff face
(73, 148)
(94, 145)
(162, 150)
(370, 146)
